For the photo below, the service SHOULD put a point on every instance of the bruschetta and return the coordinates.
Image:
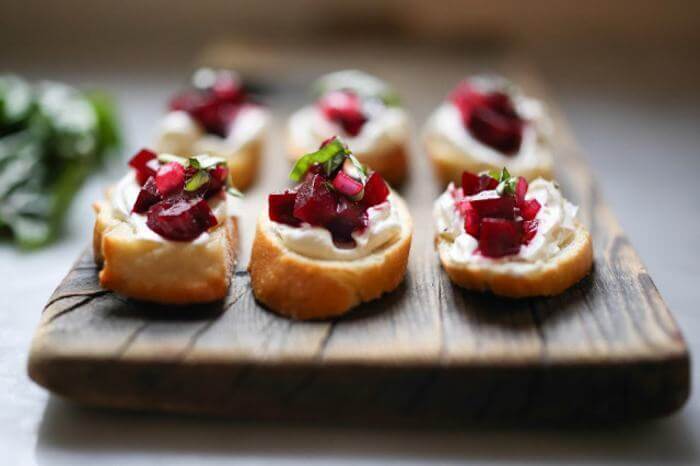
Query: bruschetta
(362, 109)
(165, 232)
(216, 117)
(487, 123)
(498, 233)
(339, 238)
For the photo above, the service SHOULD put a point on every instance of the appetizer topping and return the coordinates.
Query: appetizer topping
(490, 117)
(174, 193)
(344, 107)
(335, 193)
(496, 212)
(214, 101)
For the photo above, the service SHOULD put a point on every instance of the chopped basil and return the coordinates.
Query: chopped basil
(204, 161)
(167, 158)
(506, 183)
(234, 192)
(331, 156)
(199, 179)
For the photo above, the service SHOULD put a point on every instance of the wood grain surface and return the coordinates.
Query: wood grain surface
(606, 350)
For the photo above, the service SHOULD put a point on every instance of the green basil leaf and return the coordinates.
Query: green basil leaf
(167, 158)
(327, 155)
(199, 179)
(205, 161)
(234, 192)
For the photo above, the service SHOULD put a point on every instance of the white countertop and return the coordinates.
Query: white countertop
(642, 140)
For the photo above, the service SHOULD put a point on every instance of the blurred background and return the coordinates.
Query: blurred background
(625, 73)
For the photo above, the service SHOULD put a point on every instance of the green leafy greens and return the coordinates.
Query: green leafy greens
(506, 182)
(331, 156)
(51, 138)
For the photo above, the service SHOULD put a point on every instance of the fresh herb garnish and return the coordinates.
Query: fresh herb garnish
(234, 192)
(196, 181)
(331, 156)
(167, 158)
(205, 161)
(52, 137)
(506, 182)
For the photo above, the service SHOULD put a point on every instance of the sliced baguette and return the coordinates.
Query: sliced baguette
(391, 163)
(449, 163)
(567, 268)
(166, 272)
(305, 288)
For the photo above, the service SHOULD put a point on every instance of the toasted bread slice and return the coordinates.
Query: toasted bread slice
(570, 265)
(305, 288)
(166, 272)
(391, 163)
(244, 165)
(449, 163)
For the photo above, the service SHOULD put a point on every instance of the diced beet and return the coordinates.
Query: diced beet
(344, 108)
(495, 207)
(315, 203)
(170, 179)
(227, 88)
(281, 208)
(347, 185)
(376, 190)
(181, 219)
(520, 190)
(217, 180)
(214, 114)
(145, 162)
(349, 217)
(529, 231)
(486, 182)
(471, 220)
(499, 237)
(470, 183)
(529, 209)
(490, 117)
(148, 195)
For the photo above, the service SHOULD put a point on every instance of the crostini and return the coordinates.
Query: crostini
(339, 238)
(166, 232)
(487, 123)
(217, 117)
(365, 111)
(498, 233)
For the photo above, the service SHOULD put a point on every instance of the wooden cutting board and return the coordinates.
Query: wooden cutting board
(606, 350)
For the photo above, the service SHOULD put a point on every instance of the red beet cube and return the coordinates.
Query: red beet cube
(145, 163)
(470, 183)
(490, 117)
(217, 180)
(349, 217)
(227, 88)
(495, 206)
(376, 190)
(529, 209)
(344, 108)
(529, 231)
(281, 208)
(520, 190)
(148, 195)
(346, 185)
(499, 237)
(471, 220)
(181, 219)
(170, 179)
(315, 203)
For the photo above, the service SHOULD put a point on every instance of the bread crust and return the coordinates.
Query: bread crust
(567, 268)
(391, 163)
(449, 163)
(244, 165)
(303, 288)
(169, 272)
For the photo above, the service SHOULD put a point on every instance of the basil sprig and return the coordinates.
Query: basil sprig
(331, 156)
(506, 182)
